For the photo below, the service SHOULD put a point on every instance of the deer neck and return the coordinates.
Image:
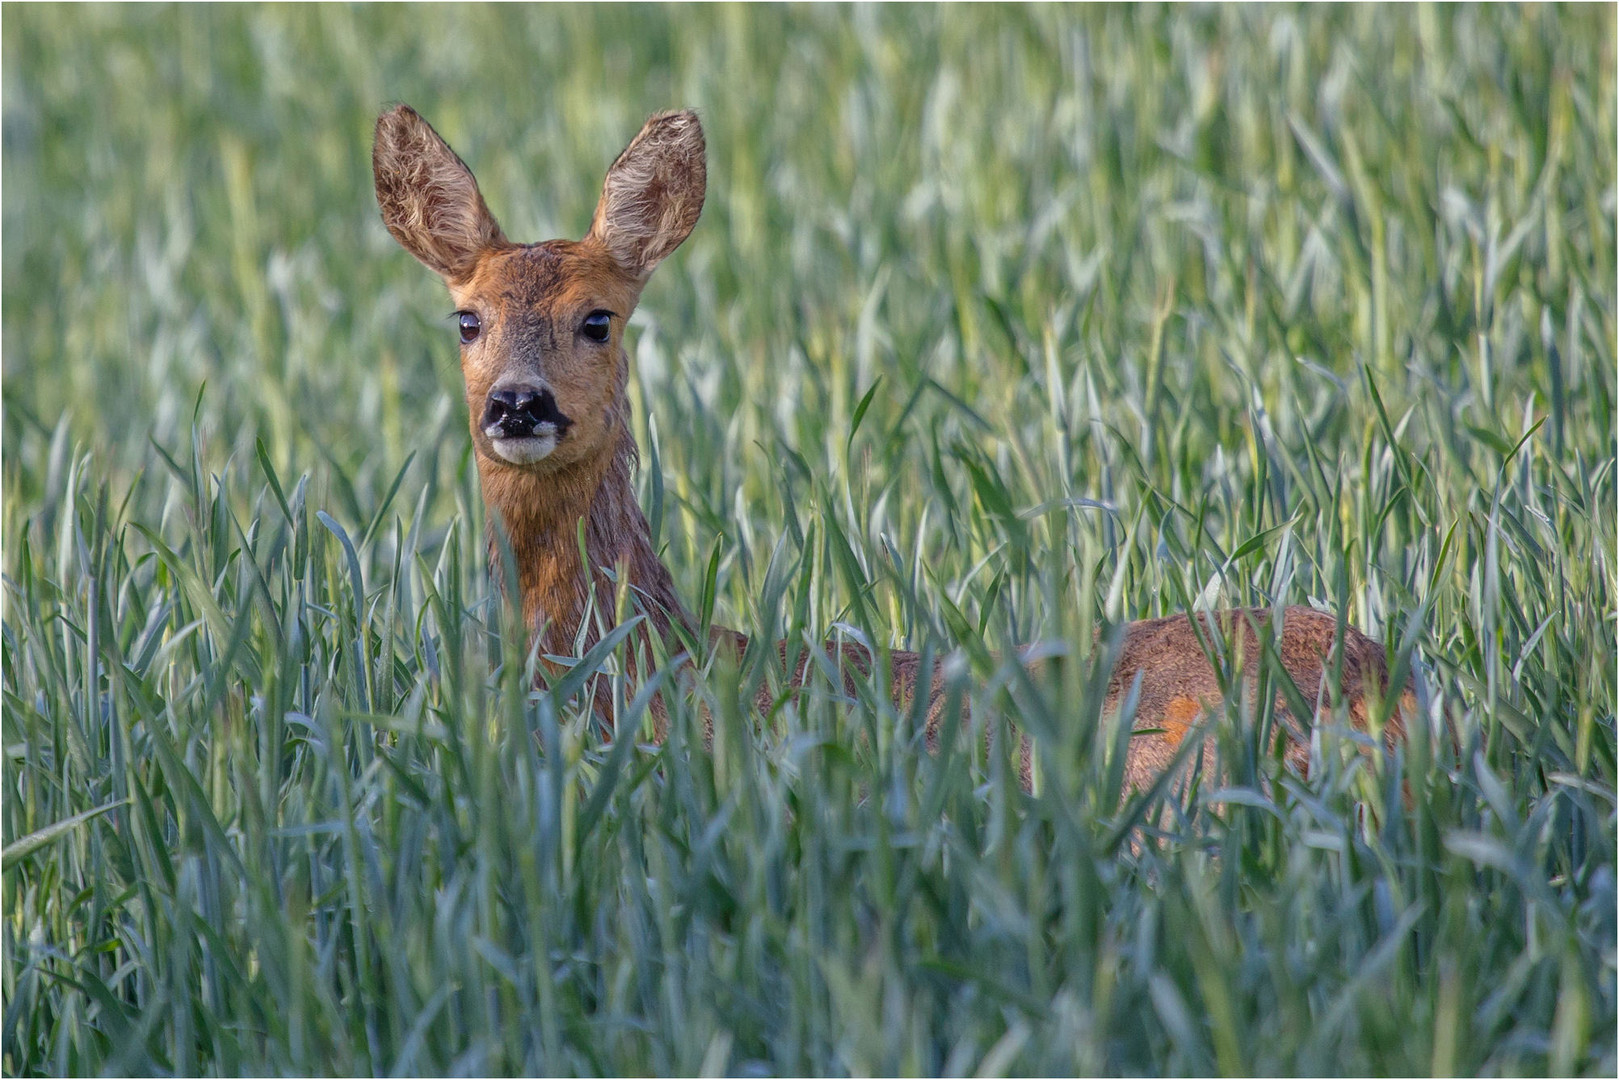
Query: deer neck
(540, 515)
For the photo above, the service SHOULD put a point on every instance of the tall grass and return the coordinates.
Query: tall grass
(1001, 326)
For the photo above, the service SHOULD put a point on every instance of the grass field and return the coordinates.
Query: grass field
(1000, 325)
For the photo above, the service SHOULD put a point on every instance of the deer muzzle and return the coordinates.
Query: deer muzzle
(523, 423)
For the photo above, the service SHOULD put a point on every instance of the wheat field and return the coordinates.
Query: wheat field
(1001, 325)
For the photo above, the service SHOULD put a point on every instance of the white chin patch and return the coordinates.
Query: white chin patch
(525, 451)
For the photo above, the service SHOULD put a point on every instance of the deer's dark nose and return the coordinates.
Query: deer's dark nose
(520, 412)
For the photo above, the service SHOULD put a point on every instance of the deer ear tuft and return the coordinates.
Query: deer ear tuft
(653, 193)
(429, 198)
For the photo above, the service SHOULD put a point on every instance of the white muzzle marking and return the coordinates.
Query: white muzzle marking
(524, 451)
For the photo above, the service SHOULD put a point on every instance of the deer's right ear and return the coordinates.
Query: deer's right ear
(429, 199)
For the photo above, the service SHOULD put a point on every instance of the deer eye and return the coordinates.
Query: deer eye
(596, 325)
(470, 325)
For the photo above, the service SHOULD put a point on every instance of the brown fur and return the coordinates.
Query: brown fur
(531, 300)
(1178, 685)
(1179, 688)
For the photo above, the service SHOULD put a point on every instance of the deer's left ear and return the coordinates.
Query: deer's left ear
(653, 193)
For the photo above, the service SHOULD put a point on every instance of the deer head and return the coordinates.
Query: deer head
(541, 325)
(541, 329)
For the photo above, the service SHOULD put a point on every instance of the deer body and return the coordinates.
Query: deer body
(545, 370)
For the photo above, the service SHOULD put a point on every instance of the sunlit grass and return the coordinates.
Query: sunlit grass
(1001, 326)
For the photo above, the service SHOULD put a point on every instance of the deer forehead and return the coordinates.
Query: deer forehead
(556, 278)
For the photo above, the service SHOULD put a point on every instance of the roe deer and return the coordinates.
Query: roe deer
(545, 368)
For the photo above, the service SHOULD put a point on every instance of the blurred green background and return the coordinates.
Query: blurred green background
(1182, 208)
(999, 323)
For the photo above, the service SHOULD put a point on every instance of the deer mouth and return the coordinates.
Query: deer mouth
(524, 450)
